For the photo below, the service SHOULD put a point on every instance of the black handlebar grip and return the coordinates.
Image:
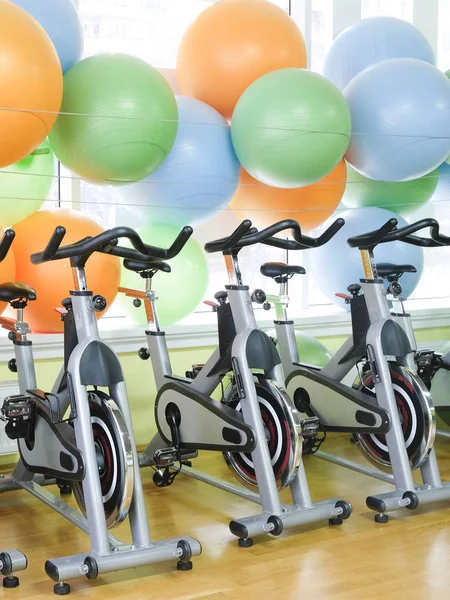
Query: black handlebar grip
(306, 241)
(231, 241)
(372, 238)
(51, 248)
(180, 242)
(5, 244)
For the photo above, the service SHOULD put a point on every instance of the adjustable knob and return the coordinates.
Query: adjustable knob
(354, 289)
(12, 365)
(98, 303)
(143, 354)
(137, 303)
(259, 296)
(221, 297)
(395, 288)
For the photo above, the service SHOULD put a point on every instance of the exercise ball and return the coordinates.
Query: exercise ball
(402, 197)
(198, 178)
(335, 265)
(31, 84)
(290, 128)
(125, 124)
(442, 193)
(400, 120)
(179, 292)
(53, 280)
(230, 45)
(62, 23)
(7, 272)
(371, 41)
(24, 186)
(310, 205)
(310, 350)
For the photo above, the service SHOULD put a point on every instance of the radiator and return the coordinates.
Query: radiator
(8, 387)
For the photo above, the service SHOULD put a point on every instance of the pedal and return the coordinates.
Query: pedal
(19, 413)
(165, 457)
(310, 427)
(313, 435)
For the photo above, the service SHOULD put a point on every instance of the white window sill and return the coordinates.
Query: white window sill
(126, 337)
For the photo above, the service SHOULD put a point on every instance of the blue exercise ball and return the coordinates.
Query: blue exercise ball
(61, 21)
(372, 41)
(442, 192)
(335, 265)
(198, 178)
(400, 120)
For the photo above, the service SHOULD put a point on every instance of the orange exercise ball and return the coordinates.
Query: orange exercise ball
(53, 280)
(310, 205)
(7, 272)
(31, 84)
(230, 45)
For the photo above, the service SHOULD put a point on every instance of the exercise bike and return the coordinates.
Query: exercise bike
(257, 427)
(81, 432)
(383, 349)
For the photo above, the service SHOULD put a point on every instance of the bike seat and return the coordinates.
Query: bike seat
(281, 270)
(16, 291)
(142, 266)
(387, 270)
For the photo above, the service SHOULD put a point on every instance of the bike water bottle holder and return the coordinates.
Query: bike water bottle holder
(194, 372)
(19, 413)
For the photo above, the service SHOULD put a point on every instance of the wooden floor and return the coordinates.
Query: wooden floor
(407, 559)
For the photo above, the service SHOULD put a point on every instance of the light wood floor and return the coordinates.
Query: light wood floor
(407, 559)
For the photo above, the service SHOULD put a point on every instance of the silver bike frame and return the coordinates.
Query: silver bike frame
(433, 489)
(108, 552)
(303, 510)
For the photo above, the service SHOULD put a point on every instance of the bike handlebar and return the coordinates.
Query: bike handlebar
(307, 241)
(244, 236)
(389, 233)
(5, 244)
(107, 243)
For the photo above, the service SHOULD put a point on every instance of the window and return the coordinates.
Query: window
(321, 32)
(444, 35)
(403, 9)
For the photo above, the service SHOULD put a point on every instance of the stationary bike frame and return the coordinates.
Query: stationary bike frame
(400, 343)
(107, 552)
(275, 515)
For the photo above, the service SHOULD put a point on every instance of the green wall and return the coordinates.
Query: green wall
(141, 386)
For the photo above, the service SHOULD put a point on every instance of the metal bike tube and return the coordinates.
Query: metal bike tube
(137, 515)
(380, 315)
(25, 366)
(95, 512)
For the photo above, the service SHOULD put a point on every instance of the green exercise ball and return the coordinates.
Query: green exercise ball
(402, 197)
(291, 128)
(179, 292)
(310, 350)
(121, 119)
(24, 186)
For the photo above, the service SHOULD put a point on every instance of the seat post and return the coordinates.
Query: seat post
(21, 329)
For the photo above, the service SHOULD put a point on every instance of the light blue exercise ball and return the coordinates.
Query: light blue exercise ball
(61, 21)
(400, 120)
(335, 265)
(442, 193)
(198, 178)
(371, 41)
